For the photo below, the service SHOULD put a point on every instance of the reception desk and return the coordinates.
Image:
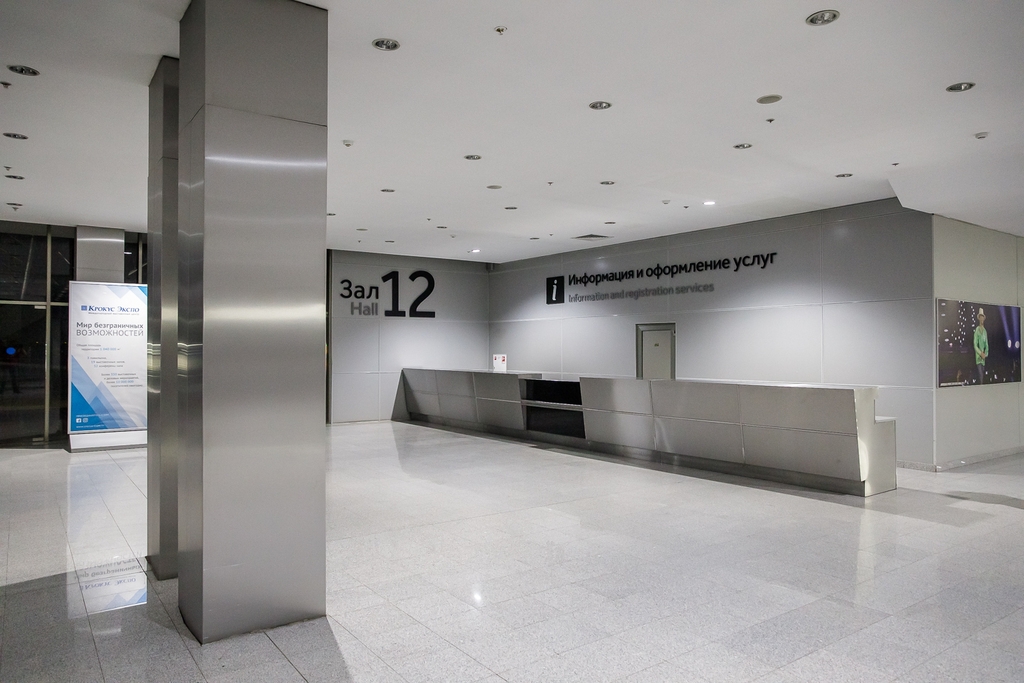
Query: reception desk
(818, 437)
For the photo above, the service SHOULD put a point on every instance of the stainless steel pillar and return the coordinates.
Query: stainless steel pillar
(162, 463)
(252, 327)
(99, 254)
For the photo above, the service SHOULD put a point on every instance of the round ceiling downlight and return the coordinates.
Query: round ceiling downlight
(769, 99)
(742, 145)
(386, 44)
(387, 189)
(844, 175)
(822, 17)
(472, 157)
(474, 251)
(16, 136)
(15, 177)
(14, 204)
(389, 241)
(609, 222)
(22, 70)
(361, 229)
(600, 104)
(709, 202)
(511, 208)
(494, 187)
(607, 182)
(442, 227)
(960, 87)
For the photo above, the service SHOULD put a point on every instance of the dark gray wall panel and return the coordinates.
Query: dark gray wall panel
(878, 258)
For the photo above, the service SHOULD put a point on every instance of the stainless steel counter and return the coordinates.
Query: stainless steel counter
(820, 437)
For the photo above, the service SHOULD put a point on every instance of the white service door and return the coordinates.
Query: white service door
(657, 354)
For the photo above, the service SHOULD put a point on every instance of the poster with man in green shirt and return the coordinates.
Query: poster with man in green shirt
(981, 345)
(978, 343)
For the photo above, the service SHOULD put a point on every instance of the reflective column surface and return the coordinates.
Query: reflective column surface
(466, 558)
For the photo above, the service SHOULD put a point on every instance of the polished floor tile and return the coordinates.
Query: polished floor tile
(456, 557)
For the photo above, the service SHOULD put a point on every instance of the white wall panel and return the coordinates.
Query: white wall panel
(531, 345)
(602, 346)
(766, 344)
(915, 424)
(355, 397)
(977, 420)
(355, 345)
(881, 343)
(973, 263)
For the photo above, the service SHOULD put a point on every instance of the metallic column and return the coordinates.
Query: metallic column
(252, 239)
(163, 320)
(99, 254)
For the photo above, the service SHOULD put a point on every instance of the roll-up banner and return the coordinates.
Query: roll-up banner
(107, 361)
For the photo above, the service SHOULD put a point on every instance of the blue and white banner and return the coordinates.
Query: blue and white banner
(107, 357)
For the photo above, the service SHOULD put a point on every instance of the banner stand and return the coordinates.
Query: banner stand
(101, 441)
(107, 363)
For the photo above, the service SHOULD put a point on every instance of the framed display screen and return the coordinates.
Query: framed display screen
(977, 343)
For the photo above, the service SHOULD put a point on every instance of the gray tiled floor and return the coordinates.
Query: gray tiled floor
(462, 558)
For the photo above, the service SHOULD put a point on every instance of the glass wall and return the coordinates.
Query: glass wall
(36, 264)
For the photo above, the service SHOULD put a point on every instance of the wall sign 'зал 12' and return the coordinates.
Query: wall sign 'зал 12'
(364, 299)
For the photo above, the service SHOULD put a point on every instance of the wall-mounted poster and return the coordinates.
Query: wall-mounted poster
(977, 343)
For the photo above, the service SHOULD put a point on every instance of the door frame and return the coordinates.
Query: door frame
(653, 327)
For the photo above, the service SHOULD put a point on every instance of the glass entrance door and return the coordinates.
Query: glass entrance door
(23, 377)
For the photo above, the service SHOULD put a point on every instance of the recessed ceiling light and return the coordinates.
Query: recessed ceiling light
(607, 182)
(22, 70)
(511, 208)
(16, 136)
(387, 189)
(14, 204)
(500, 30)
(600, 104)
(982, 135)
(709, 202)
(825, 16)
(769, 99)
(361, 229)
(494, 187)
(844, 175)
(742, 145)
(960, 87)
(15, 177)
(534, 238)
(896, 163)
(389, 241)
(474, 251)
(609, 222)
(472, 157)
(332, 214)
(386, 44)
(442, 227)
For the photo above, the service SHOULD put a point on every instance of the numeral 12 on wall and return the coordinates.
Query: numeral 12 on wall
(414, 310)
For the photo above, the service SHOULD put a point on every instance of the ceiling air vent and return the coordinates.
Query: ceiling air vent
(591, 237)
